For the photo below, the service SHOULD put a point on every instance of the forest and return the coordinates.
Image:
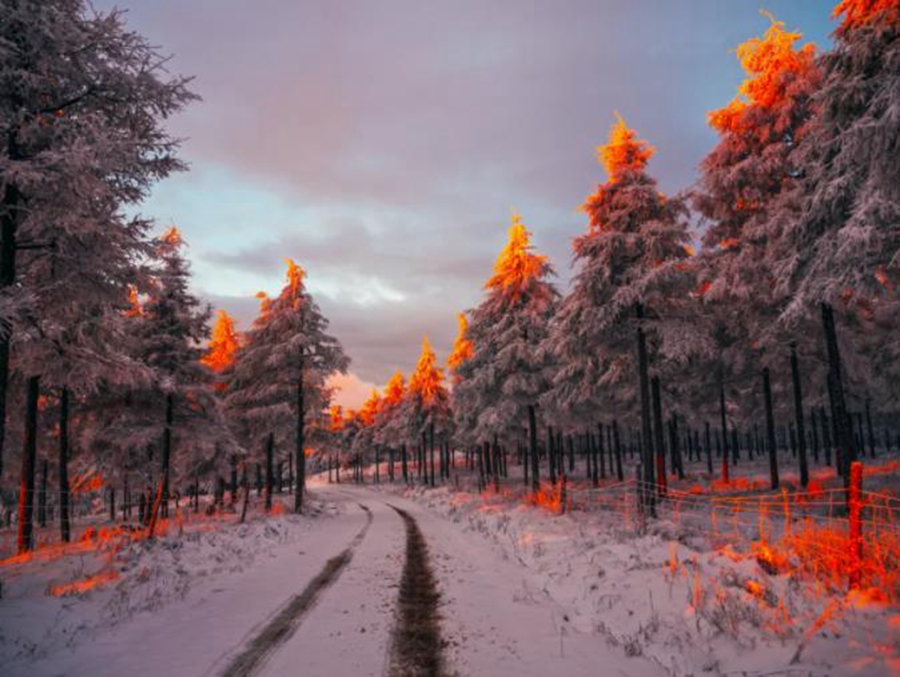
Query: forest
(725, 360)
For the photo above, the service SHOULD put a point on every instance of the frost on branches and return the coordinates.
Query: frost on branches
(634, 254)
(277, 383)
(845, 239)
(508, 370)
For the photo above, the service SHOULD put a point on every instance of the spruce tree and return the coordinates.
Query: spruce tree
(501, 383)
(278, 380)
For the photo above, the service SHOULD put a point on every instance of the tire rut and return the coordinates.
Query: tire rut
(286, 621)
(417, 647)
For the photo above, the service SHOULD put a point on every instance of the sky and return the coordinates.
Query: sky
(383, 145)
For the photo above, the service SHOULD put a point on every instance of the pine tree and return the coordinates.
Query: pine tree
(508, 371)
(224, 344)
(742, 179)
(173, 417)
(388, 422)
(632, 279)
(82, 105)
(843, 238)
(424, 413)
(278, 379)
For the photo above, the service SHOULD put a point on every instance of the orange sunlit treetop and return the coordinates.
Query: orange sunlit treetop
(134, 303)
(517, 265)
(394, 390)
(624, 151)
(855, 13)
(370, 408)
(336, 417)
(295, 276)
(172, 237)
(766, 61)
(223, 345)
(462, 346)
(427, 381)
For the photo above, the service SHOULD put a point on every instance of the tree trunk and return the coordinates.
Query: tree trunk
(658, 438)
(234, 479)
(533, 449)
(601, 451)
(10, 216)
(403, 463)
(246, 485)
(844, 438)
(647, 497)
(64, 495)
(270, 470)
(617, 442)
(551, 460)
(724, 427)
(299, 454)
(29, 454)
(770, 429)
(798, 414)
(870, 428)
(167, 453)
(42, 496)
(708, 444)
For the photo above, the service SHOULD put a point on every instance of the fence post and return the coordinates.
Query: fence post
(856, 543)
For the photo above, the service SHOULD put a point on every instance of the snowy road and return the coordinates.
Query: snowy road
(281, 617)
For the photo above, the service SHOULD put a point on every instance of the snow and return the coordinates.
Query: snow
(667, 595)
(524, 591)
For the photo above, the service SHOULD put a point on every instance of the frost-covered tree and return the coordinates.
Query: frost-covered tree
(743, 180)
(841, 225)
(424, 412)
(82, 106)
(844, 236)
(632, 280)
(175, 414)
(389, 423)
(508, 370)
(223, 345)
(278, 380)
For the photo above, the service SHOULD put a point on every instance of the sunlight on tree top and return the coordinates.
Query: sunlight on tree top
(462, 346)
(370, 408)
(295, 276)
(624, 151)
(173, 237)
(395, 389)
(427, 380)
(767, 61)
(856, 13)
(516, 265)
(223, 345)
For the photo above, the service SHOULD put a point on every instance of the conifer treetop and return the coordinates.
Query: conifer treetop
(224, 343)
(370, 408)
(624, 151)
(857, 13)
(517, 266)
(427, 381)
(462, 346)
(769, 62)
(395, 390)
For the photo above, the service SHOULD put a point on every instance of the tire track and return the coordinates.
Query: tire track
(417, 648)
(286, 621)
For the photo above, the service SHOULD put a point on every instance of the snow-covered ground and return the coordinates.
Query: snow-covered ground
(670, 596)
(523, 591)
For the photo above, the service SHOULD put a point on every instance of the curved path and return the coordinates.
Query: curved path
(355, 598)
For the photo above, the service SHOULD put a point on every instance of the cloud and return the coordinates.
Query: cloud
(352, 391)
(383, 144)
